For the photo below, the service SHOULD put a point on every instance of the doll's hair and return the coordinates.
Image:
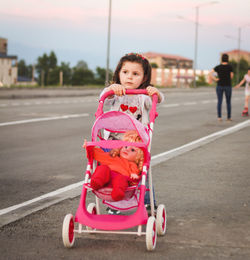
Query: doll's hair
(137, 58)
(131, 136)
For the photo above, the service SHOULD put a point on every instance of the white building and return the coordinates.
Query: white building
(8, 65)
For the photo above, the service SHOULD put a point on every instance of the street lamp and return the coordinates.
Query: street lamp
(197, 7)
(108, 45)
(239, 41)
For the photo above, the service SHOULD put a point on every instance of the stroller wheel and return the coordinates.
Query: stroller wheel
(92, 210)
(68, 234)
(151, 234)
(161, 220)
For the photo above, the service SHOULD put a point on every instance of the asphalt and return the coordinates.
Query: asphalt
(206, 193)
(23, 93)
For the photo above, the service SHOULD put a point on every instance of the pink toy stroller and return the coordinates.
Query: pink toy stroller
(133, 202)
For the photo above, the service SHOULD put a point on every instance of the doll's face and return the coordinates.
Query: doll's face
(131, 75)
(129, 153)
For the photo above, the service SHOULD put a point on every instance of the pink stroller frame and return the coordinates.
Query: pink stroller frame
(91, 216)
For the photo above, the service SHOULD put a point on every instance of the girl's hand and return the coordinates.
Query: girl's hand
(85, 144)
(134, 176)
(152, 90)
(118, 89)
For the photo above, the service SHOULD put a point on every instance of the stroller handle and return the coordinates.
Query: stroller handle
(153, 114)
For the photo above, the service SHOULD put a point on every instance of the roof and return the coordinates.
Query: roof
(236, 51)
(5, 56)
(167, 56)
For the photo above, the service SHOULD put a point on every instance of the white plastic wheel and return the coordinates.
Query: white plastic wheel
(68, 234)
(151, 234)
(92, 210)
(161, 220)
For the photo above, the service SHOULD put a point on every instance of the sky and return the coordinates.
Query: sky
(77, 29)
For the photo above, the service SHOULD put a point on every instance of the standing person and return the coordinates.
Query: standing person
(247, 91)
(133, 72)
(224, 85)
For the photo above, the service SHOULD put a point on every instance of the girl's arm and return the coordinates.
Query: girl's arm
(241, 83)
(153, 90)
(211, 75)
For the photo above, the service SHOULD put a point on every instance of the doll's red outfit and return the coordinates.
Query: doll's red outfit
(113, 170)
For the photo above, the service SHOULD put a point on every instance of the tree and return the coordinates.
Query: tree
(52, 60)
(82, 65)
(47, 69)
(243, 67)
(24, 70)
(201, 81)
(82, 75)
(42, 68)
(154, 65)
(100, 75)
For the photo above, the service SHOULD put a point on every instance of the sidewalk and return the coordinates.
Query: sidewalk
(22, 93)
(19, 93)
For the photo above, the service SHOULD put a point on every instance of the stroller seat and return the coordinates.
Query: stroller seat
(105, 192)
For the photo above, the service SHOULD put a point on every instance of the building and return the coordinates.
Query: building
(180, 78)
(236, 55)
(173, 70)
(8, 65)
(168, 61)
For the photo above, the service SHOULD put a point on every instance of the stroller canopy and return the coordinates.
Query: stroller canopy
(116, 121)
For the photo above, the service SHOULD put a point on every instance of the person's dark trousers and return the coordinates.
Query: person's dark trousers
(228, 93)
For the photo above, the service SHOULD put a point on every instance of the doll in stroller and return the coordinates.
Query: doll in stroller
(131, 200)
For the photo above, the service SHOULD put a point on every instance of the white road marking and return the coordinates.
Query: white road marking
(189, 103)
(45, 196)
(171, 105)
(156, 159)
(206, 101)
(43, 119)
(57, 102)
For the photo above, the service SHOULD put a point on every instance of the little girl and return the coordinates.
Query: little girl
(247, 91)
(132, 72)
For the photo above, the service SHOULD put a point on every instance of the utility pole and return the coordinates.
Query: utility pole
(238, 63)
(108, 45)
(196, 42)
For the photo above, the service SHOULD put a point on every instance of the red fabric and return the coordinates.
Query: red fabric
(103, 175)
(100, 177)
(120, 184)
(116, 164)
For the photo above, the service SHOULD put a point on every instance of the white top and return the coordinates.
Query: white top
(247, 86)
(137, 106)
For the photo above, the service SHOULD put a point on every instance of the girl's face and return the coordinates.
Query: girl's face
(129, 153)
(131, 75)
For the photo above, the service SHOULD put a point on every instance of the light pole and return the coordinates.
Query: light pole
(108, 45)
(239, 42)
(197, 8)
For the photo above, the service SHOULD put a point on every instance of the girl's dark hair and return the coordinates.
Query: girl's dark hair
(134, 57)
(224, 57)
